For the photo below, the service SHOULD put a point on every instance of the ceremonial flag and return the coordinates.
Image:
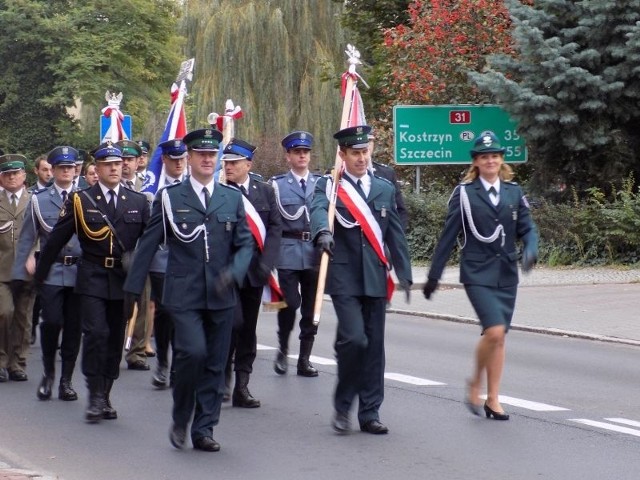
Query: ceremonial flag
(176, 127)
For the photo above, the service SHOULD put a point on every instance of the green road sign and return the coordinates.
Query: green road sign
(443, 134)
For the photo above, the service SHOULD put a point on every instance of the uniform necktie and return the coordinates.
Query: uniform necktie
(303, 185)
(63, 194)
(14, 201)
(493, 195)
(130, 184)
(244, 191)
(176, 181)
(207, 197)
(111, 206)
(361, 188)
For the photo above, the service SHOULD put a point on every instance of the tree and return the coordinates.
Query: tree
(58, 54)
(430, 57)
(574, 88)
(269, 57)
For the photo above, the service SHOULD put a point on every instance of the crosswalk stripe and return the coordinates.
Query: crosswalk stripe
(606, 426)
(624, 421)
(399, 377)
(528, 404)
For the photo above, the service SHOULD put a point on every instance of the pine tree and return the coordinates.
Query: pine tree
(574, 89)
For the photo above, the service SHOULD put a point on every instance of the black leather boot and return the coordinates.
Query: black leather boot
(305, 368)
(280, 364)
(108, 412)
(65, 390)
(96, 399)
(241, 394)
(44, 389)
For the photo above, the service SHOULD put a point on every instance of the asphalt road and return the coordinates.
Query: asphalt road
(574, 405)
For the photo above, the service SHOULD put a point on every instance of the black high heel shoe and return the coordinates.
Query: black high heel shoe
(473, 408)
(496, 415)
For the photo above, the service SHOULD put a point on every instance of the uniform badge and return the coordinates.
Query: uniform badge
(63, 212)
(383, 212)
(184, 226)
(227, 226)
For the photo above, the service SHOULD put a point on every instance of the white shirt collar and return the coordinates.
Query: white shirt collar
(105, 190)
(488, 185)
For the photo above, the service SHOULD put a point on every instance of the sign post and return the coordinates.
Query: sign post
(443, 134)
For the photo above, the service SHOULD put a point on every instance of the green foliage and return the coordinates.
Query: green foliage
(61, 54)
(598, 230)
(268, 57)
(574, 88)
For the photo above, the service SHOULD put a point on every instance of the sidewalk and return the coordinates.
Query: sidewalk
(596, 303)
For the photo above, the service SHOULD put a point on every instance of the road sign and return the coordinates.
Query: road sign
(443, 134)
(106, 122)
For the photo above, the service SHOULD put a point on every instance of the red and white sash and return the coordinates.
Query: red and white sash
(272, 297)
(358, 207)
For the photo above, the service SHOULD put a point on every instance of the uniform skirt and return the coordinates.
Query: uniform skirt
(493, 305)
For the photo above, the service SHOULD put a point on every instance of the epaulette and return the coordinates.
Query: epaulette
(316, 174)
(256, 176)
(382, 178)
(38, 190)
(380, 164)
(172, 185)
(278, 177)
(228, 186)
(510, 182)
(468, 182)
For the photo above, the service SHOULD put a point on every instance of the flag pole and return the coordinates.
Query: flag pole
(350, 78)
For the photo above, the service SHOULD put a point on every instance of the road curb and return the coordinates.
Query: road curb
(525, 328)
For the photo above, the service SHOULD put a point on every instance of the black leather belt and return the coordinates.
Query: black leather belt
(304, 236)
(67, 260)
(106, 262)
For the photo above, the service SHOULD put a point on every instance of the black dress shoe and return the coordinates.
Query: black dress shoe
(138, 365)
(177, 436)
(375, 427)
(4, 375)
(44, 389)
(341, 423)
(159, 379)
(496, 415)
(280, 365)
(149, 353)
(206, 444)
(18, 376)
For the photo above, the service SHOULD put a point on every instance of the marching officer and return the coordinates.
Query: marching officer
(297, 265)
(16, 298)
(262, 212)
(367, 225)
(494, 216)
(108, 220)
(174, 161)
(210, 248)
(60, 303)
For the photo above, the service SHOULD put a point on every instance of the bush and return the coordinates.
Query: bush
(595, 230)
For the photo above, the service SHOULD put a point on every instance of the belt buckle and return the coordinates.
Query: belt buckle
(305, 236)
(67, 260)
(109, 262)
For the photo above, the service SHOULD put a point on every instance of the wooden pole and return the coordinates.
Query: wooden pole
(331, 212)
(131, 327)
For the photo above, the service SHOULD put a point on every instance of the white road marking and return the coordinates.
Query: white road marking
(412, 380)
(264, 347)
(624, 421)
(607, 426)
(528, 404)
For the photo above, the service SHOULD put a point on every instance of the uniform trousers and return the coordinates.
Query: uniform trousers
(243, 338)
(162, 322)
(299, 290)
(202, 339)
(15, 325)
(360, 354)
(103, 327)
(59, 312)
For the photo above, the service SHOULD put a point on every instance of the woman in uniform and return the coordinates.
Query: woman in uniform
(492, 214)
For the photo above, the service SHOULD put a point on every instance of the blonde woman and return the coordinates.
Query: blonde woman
(492, 214)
